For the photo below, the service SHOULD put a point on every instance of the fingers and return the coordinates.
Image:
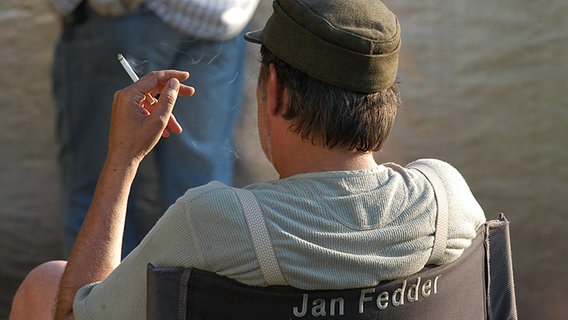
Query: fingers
(173, 125)
(154, 81)
(165, 106)
(186, 91)
(160, 82)
(167, 84)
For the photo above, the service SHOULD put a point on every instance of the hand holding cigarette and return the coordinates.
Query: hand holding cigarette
(173, 125)
(136, 126)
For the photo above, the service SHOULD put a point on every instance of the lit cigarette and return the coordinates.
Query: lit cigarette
(134, 76)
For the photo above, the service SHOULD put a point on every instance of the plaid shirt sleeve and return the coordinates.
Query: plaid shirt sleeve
(205, 19)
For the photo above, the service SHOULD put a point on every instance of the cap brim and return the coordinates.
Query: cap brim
(254, 36)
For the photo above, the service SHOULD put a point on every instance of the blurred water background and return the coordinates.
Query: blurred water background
(484, 87)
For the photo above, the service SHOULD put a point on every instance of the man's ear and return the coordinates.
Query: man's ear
(274, 92)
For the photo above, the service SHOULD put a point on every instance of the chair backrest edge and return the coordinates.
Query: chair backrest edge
(501, 300)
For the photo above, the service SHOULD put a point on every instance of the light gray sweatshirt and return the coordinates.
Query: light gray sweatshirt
(330, 230)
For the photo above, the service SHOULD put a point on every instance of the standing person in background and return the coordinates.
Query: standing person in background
(204, 36)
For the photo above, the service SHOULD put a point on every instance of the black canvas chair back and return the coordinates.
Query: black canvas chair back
(479, 285)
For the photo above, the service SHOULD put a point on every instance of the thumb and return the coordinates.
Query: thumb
(167, 101)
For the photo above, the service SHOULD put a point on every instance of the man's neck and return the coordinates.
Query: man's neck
(291, 155)
(306, 157)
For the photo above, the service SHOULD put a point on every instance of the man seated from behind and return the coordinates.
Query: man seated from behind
(327, 99)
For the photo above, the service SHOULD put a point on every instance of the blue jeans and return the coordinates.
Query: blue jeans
(86, 73)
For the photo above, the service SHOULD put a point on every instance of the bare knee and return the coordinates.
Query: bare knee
(37, 295)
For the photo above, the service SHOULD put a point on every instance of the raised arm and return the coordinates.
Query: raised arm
(136, 127)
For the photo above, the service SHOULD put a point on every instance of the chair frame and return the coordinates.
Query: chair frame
(479, 285)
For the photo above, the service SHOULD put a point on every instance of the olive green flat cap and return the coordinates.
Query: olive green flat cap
(351, 44)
